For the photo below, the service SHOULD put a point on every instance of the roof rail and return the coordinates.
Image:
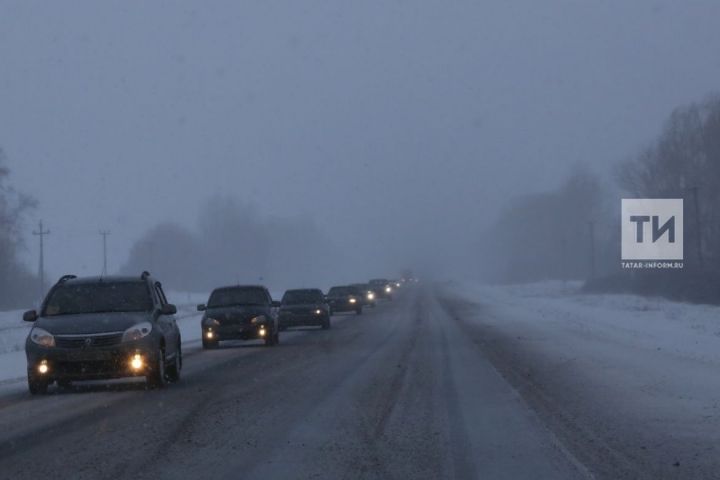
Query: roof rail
(65, 278)
(145, 275)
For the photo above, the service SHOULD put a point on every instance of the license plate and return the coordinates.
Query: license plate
(89, 356)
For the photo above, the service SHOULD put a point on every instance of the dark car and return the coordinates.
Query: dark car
(101, 328)
(345, 299)
(304, 307)
(382, 288)
(240, 313)
(368, 295)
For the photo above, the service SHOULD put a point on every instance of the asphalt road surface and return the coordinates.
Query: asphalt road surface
(403, 391)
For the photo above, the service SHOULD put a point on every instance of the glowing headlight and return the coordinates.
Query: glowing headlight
(136, 362)
(262, 332)
(318, 312)
(388, 289)
(209, 334)
(352, 300)
(42, 337)
(136, 332)
(43, 367)
(371, 296)
(397, 284)
(257, 320)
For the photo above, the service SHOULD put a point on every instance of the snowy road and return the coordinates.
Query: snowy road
(449, 382)
(400, 392)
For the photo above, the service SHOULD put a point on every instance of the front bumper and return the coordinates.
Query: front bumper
(345, 306)
(302, 320)
(91, 363)
(236, 332)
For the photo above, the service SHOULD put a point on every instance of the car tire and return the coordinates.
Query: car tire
(157, 377)
(173, 373)
(37, 386)
(326, 324)
(271, 340)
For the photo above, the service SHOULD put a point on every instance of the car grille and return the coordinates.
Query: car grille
(89, 341)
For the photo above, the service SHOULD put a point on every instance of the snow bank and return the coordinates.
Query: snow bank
(686, 330)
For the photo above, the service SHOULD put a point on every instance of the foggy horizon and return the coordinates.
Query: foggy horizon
(365, 120)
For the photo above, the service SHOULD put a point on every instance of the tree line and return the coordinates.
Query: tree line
(18, 287)
(232, 244)
(573, 231)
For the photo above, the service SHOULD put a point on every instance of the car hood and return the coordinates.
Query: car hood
(91, 322)
(298, 307)
(236, 314)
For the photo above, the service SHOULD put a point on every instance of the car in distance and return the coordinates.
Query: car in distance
(304, 307)
(101, 328)
(345, 299)
(368, 295)
(243, 312)
(382, 288)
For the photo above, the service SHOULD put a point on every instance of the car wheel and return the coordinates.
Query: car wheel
(326, 324)
(37, 386)
(273, 339)
(173, 373)
(157, 376)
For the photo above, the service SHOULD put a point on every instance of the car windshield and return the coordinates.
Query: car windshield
(302, 296)
(340, 291)
(98, 298)
(228, 297)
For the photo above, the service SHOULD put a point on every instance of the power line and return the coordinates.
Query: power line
(41, 233)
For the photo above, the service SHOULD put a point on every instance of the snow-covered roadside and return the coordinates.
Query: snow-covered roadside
(632, 377)
(687, 330)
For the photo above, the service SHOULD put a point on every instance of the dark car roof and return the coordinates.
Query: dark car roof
(295, 290)
(241, 287)
(104, 279)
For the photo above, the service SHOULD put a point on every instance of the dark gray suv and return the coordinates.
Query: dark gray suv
(101, 328)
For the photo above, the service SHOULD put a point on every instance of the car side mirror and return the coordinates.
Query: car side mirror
(275, 303)
(202, 307)
(30, 316)
(168, 309)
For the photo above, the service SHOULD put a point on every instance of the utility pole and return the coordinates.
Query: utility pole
(698, 231)
(41, 233)
(104, 234)
(591, 224)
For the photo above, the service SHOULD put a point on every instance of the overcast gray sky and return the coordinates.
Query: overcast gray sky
(395, 125)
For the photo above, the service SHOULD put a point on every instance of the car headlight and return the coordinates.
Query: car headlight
(42, 337)
(210, 322)
(352, 300)
(136, 332)
(318, 312)
(371, 296)
(258, 320)
(388, 289)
